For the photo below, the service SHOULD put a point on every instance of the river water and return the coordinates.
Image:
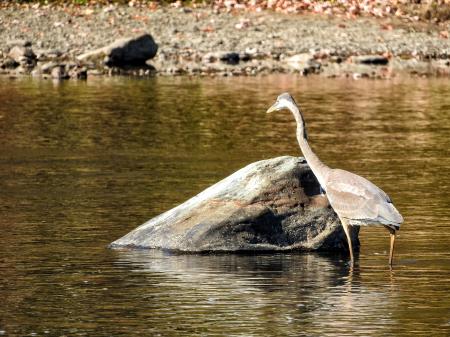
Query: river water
(83, 163)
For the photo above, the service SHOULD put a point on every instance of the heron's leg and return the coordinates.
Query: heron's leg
(391, 252)
(349, 238)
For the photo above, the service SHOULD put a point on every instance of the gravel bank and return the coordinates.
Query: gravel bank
(205, 42)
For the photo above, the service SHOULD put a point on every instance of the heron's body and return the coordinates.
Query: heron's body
(356, 200)
(359, 201)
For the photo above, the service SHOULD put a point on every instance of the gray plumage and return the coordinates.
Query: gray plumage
(356, 200)
(360, 201)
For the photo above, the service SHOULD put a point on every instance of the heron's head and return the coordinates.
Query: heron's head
(284, 101)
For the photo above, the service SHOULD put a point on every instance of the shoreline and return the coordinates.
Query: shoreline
(51, 41)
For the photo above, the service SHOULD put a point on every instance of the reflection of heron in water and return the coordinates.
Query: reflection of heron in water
(356, 200)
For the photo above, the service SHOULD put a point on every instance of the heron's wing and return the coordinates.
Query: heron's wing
(355, 197)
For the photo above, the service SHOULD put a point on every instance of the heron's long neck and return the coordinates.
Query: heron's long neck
(319, 169)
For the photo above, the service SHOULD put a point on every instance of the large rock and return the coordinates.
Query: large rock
(304, 63)
(272, 204)
(132, 51)
(23, 55)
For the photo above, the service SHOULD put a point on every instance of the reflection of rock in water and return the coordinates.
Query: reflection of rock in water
(241, 294)
(253, 295)
(268, 272)
(268, 205)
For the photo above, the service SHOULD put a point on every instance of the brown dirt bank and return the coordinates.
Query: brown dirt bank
(205, 41)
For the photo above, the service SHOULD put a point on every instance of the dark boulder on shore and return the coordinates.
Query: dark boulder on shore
(134, 51)
(270, 205)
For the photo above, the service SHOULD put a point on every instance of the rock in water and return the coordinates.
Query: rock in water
(272, 204)
(124, 52)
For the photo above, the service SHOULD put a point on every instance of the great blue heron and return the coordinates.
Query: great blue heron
(355, 200)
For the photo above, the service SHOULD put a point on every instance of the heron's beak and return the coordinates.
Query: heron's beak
(274, 107)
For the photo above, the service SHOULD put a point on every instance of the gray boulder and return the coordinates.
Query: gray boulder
(270, 205)
(304, 63)
(23, 55)
(132, 51)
